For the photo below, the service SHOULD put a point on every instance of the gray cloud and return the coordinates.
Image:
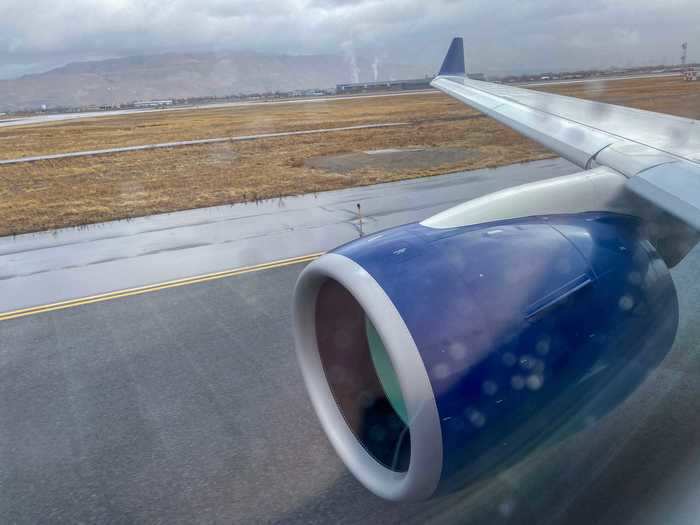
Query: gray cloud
(500, 36)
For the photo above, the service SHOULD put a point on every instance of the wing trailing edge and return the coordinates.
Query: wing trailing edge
(658, 154)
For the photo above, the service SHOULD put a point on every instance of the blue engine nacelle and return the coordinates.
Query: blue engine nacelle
(436, 357)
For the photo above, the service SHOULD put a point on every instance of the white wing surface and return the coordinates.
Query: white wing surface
(660, 154)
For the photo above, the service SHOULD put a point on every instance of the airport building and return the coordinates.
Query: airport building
(153, 103)
(384, 85)
(391, 85)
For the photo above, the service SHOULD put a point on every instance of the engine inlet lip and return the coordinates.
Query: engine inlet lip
(425, 465)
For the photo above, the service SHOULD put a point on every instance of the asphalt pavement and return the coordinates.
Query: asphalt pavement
(186, 405)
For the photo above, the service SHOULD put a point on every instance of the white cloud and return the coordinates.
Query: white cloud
(500, 36)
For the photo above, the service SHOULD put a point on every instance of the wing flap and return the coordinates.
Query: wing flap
(674, 186)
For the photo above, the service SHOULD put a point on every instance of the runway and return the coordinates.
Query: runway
(596, 79)
(185, 404)
(62, 117)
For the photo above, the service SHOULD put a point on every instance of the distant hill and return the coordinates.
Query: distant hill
(185, 75)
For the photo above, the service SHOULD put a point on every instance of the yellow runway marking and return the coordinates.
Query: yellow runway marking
(118, 294)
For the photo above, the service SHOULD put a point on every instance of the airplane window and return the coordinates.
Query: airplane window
(349, 261)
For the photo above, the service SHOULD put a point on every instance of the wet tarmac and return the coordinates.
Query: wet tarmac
(65, 264)
(187, 406)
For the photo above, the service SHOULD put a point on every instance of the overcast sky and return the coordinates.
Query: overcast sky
(500, 36)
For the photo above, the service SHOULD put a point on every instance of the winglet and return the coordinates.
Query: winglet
(454, 61)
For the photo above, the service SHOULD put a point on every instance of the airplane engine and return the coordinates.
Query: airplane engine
(436, 357)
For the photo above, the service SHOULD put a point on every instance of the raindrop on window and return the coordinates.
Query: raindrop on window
(489, 387)
(534, 382)
(509, 359)
(441, 371)
(517, 382)
(626, 303)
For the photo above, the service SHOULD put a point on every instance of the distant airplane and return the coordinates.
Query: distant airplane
(439, 353)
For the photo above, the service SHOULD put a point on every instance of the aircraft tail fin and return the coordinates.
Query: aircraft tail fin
(453, 65)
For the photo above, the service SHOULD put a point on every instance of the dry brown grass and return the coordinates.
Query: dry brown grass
(169, 126)
(69, 192)
(670, 95)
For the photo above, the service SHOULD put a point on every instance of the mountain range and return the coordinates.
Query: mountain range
(188, 75)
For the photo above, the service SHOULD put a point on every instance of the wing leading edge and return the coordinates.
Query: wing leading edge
(591, 134)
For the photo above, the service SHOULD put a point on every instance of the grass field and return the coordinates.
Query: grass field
(69, 192)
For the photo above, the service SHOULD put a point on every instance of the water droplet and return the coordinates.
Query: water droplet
(542, 346)
(517, 382)
(626, 303)
(441, 371)
(509, 359)
(489, 387)
(527, 362)
(458, 351)
(477, 419)
(534, 382)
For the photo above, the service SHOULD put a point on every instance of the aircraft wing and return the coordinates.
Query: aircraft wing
(558, 275)
(660, 154)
